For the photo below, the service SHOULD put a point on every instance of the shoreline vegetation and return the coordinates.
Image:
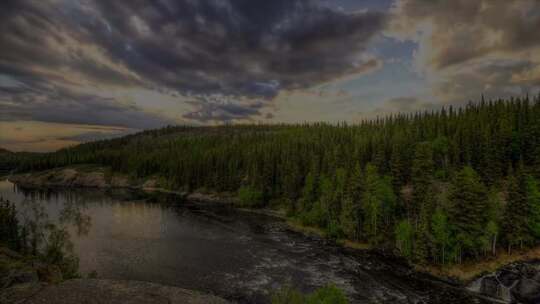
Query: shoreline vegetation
(448, 187)
(88, 176)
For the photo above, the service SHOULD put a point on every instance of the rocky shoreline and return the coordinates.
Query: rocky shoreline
(514, 283)
(100, 178)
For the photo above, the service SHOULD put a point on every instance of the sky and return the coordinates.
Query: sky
(75, 71)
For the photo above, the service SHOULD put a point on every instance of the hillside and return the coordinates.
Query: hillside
(437, 187)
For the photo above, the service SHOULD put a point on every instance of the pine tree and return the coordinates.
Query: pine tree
(404, 234)
(350, 218)
(441, 233)
(516, 226)
(494, 218)
(378, 202)
(309, 193)
(533, 199)
(422, 178)
(467, 213)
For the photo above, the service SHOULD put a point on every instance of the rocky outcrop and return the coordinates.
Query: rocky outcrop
(26, 280)
(515, 283)
(71, 177)
(211, 198)
(99, 291)
(97, 178)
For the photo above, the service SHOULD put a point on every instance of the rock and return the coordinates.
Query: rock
(49, 274)
(8, 253)
(150, 184)
(527, 291)
(24, 276)
(19, 293)
(489, 286)
(517, 282)
(119, 182)
(94, 291)
(508, 276)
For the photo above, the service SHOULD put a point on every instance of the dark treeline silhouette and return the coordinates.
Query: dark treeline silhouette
(439, 186)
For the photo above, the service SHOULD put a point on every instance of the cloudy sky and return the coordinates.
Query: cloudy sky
(73, 71)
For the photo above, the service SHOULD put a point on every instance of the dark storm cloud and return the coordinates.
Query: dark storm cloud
(235, 48)
(228, 47)
(64, 106)
(223, 111)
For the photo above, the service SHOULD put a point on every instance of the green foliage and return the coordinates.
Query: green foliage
(250, 197)
(533, 196)
(404, 238)
(9, 226)
(329, 294)
(468, 211)
(378, 203)
(288, 295)
(516, 222)
(28, 238)
(59, 251)
(350, 218)
(441, 233)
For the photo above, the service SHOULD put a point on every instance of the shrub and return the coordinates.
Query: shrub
(329, 294)
(250, 197)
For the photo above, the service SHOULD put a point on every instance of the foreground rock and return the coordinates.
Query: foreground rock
(97, 291)
(515, 283)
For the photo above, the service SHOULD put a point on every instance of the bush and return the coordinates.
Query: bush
(329, 294)
(9, 226)
(49, 243)
(288, 295)
(250, 197)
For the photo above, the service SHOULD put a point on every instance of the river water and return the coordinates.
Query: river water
(238, 255)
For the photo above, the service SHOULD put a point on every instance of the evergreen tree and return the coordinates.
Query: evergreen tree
(516, 224)
(404, 238)
(378, 201)
(422, 178)
(494, 218)
(467, 213)
(533, 198)
(441, 233)
(350, 218)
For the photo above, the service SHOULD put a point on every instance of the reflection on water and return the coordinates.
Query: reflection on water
(159, 238)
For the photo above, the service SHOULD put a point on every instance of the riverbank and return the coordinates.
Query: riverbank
(90, 176)
(86, 176)
(471, 270)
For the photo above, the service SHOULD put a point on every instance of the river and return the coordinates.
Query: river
(213, 248)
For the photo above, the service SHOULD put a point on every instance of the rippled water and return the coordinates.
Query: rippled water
(237, 255)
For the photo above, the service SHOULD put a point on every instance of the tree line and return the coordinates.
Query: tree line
(439, 186)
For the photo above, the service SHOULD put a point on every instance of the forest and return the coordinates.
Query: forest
(438, 187)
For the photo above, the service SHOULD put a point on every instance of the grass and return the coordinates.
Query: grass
(470, 270)
(295, 225)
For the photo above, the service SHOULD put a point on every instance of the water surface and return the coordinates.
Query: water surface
(237, 255)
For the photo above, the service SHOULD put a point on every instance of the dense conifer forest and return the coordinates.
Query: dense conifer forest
(437, 187)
